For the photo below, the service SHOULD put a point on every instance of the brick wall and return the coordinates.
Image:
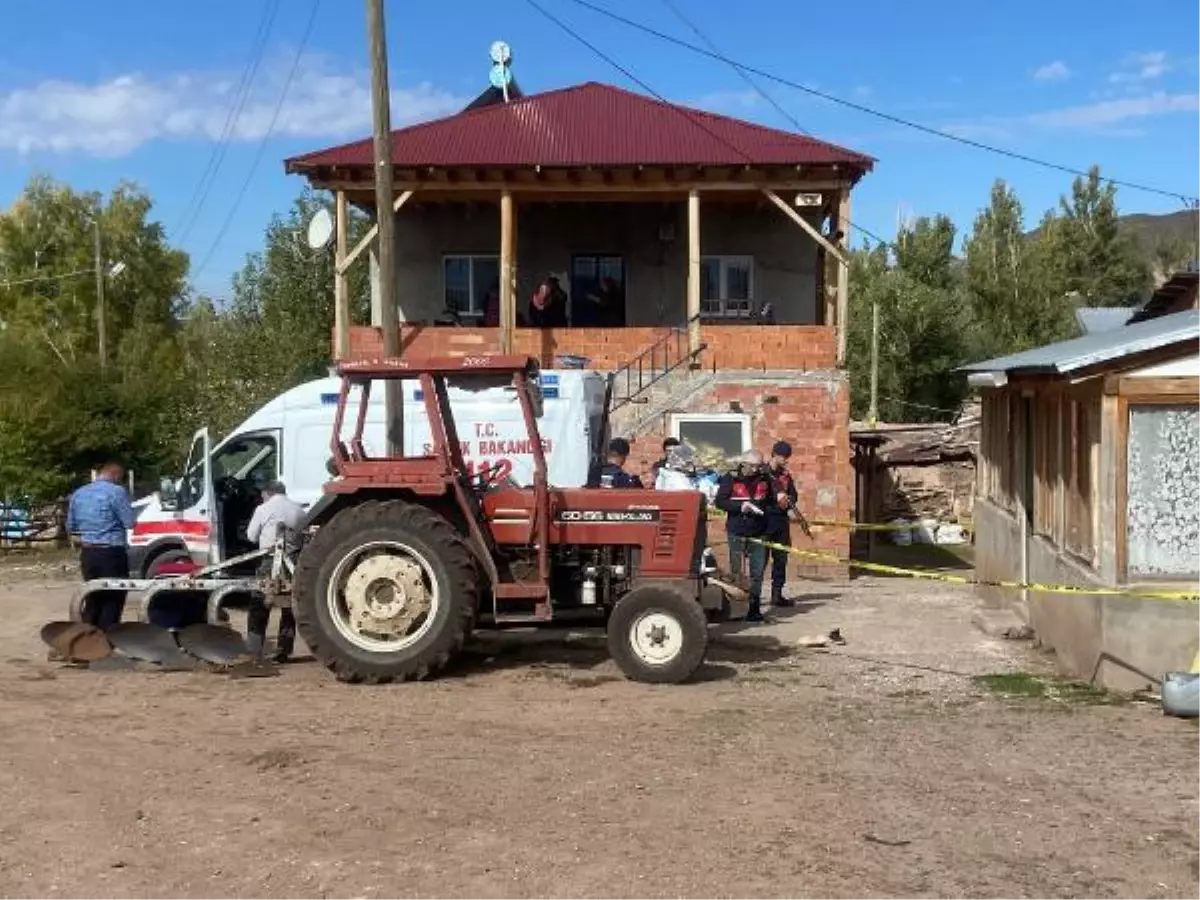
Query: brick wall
(795, 347)
(814, 419)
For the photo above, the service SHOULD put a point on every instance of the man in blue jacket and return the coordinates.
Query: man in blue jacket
(101, 515)
(746, 497)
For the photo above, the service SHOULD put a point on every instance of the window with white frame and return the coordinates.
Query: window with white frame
(724, 435)
(726, 286)
(466, 280)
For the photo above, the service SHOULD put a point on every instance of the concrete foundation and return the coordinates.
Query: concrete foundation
(1123, 643)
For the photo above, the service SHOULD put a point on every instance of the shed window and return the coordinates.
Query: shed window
(1163, 500)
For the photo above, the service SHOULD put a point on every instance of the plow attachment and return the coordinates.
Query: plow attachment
(182, 620)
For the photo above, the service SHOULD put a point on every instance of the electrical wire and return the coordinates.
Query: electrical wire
(887, 117)
(262, 144)
(241, 95)
(56, 277)
(683, 111)
(695, 29)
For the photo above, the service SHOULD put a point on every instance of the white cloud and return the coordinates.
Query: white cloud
(1113, 112)
(729, 101)
(1052, 71)
(1110, 117)
(115, 117)
(1141, 67)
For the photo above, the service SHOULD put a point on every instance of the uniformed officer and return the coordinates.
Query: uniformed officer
(612, 473)
(745, 495)
(779, 518)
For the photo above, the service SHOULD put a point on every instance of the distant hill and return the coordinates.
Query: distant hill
(1151, 230)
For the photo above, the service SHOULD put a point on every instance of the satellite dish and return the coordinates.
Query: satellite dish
(500, 53)
(500, 77)
(320, 230)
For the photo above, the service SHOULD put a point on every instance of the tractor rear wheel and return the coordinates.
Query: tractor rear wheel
(385, 591)
(657, 635)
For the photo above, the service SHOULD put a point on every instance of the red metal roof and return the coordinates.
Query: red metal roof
(588, 125)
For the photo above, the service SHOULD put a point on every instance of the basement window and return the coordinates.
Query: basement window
(719, 436)
(466, 281)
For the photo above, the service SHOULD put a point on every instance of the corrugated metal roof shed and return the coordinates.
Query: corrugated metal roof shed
(589, 125)
(1095, 319)
(1096, 349)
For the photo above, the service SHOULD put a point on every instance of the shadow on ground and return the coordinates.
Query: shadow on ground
(960, 558)
(573, 651)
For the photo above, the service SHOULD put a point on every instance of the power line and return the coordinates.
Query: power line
(888, 117)
(262, 144)
(695, 120)
(241, 95)
(678, 13)
(55, 277)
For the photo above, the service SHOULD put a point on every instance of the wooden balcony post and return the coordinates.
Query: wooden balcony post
(693, 272)
(508, 273)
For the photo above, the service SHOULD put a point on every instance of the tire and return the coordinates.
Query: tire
(165, 558)
(682, 645)
(350, 546)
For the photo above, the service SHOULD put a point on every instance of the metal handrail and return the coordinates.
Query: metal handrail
(655, 363)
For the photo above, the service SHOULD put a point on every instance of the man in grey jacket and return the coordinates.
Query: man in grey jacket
(275, 518)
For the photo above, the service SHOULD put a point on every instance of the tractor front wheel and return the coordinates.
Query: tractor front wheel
(657, 635)
(385, 591)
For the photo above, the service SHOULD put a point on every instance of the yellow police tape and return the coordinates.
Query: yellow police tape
(926, 574)
(862, 526)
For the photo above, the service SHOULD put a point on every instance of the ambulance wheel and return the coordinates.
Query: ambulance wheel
(657, 635)
(166, 558)
(385, 591)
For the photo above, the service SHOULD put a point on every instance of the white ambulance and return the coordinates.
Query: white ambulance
(202, 517)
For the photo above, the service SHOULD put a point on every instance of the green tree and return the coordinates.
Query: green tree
(1017, 300)
(60, 414)
(924, 325)
(1096, 259)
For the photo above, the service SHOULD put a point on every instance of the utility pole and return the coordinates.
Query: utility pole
(101, 329)
(873, 412)
(389, 319)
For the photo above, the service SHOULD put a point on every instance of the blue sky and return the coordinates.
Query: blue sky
(129, 89)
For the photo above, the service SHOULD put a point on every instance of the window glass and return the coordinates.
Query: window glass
(1163, 503)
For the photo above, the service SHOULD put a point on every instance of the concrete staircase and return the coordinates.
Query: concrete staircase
(647, 411)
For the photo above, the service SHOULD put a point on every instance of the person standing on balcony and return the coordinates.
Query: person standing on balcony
(548, 306)
(101, 515)
(745, 496)
(610, 304)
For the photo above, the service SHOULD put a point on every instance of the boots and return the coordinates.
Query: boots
(777, 598)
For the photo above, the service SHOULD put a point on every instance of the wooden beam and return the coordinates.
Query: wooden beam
(370, 236)
(843, 277)
(593, 182)
(341, 291)
(693, 272)
(805, 224)
(508, 273)
(1148, 389)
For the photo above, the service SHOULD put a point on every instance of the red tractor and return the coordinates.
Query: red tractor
(414, 552)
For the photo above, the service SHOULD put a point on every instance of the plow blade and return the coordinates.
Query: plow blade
(76, 642)
(149, 643)
(214, 644)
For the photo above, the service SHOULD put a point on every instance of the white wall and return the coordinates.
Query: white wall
(1186, 366)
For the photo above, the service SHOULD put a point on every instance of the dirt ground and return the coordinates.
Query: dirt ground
(872, 769)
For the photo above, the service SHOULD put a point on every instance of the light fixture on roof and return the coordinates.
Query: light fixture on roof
(501, 75)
